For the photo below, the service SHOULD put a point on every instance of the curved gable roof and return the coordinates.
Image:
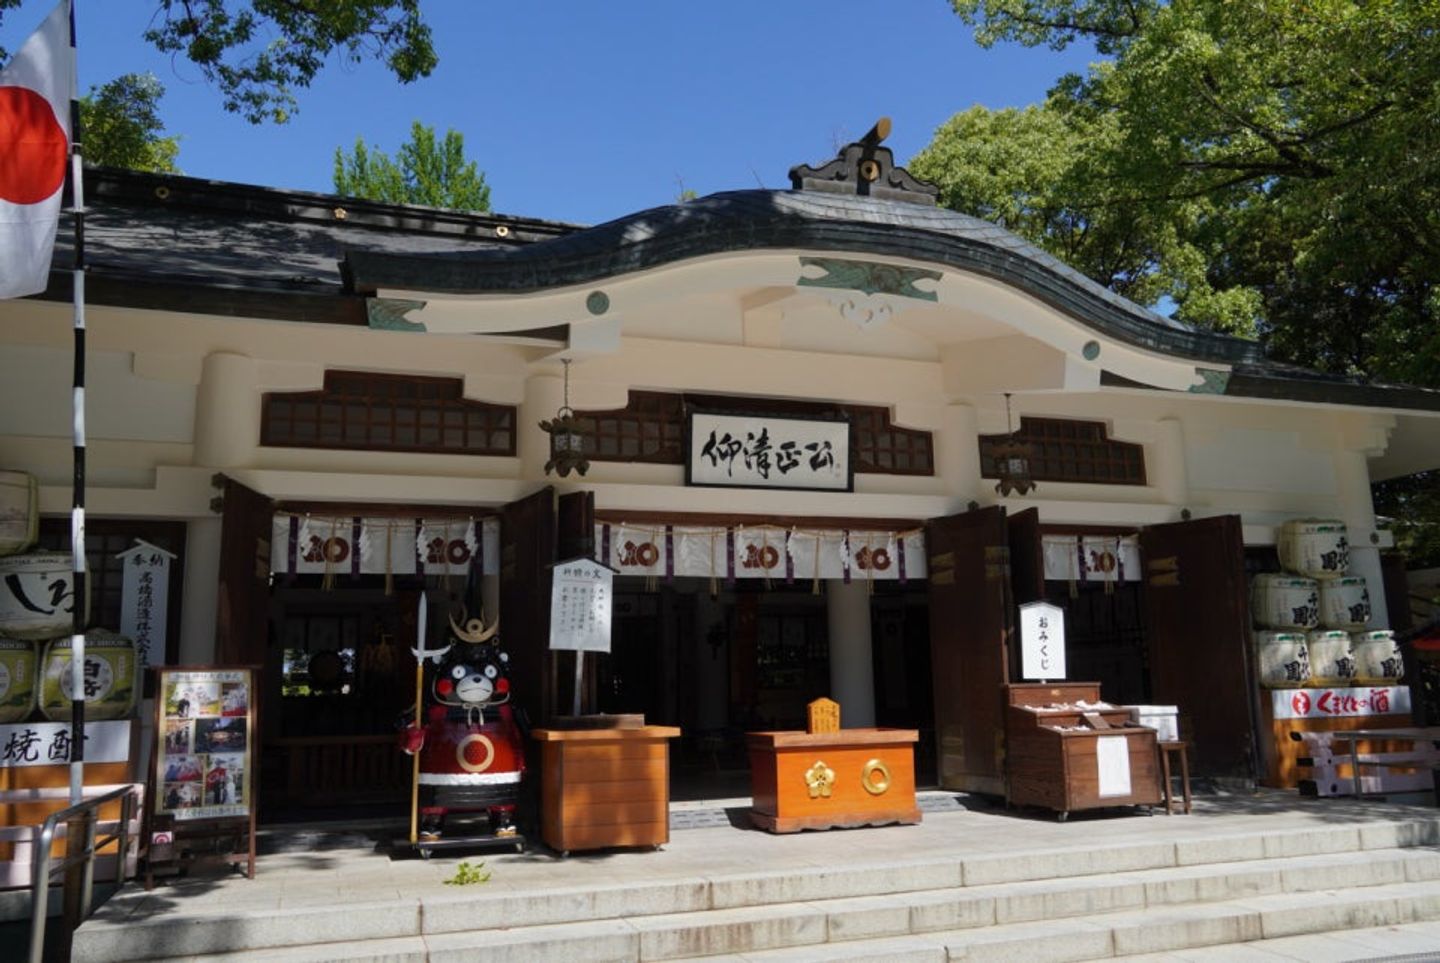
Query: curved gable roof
(750, 220)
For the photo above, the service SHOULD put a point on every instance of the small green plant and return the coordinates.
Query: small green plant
(468, 873)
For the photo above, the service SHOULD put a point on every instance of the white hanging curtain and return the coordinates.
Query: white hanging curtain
(759, 551)
(334, 545)
(1091, 558)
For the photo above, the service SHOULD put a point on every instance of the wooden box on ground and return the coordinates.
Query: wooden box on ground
(828, 780)
(601, 788)
(1055, 758)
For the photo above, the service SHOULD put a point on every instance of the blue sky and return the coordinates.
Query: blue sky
(585, 111)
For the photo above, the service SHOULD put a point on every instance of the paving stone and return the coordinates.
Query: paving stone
(444, 914)
(1180, 928)
(730, 931)
(1067, 862)
(953, 910)
(1310, 841)
(599, 942)
(1220, 849)
(867, 917)
(1203, 884)
(192, 935)
(1329, 910)
(1032, 943)
(789, 886)
(1061, 899)
(410, 949)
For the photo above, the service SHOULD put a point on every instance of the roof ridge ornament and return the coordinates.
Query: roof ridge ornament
(865, 169)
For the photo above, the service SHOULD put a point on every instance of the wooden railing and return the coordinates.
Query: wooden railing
(341, 770)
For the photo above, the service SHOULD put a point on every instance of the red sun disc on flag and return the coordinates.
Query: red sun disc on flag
(32, 147)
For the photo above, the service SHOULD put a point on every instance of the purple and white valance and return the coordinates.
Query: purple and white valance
(760, 551)
(1091, 558)
(366, 545)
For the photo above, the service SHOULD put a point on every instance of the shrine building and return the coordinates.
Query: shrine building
(830, 437)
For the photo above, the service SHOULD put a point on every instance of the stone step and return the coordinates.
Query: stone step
(1231, 929)
(677, 916)
(1406, 941)
(983, 909)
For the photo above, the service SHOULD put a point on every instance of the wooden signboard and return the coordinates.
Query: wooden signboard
(203, 778)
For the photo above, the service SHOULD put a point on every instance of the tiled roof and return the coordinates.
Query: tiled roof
(807, 220)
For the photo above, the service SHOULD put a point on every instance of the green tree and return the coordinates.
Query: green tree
(425, 171)
(1279, 163)
(257, 52)
(120, 126)
(1269, 165)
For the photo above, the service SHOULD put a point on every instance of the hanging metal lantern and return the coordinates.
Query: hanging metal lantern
(1012, 460)
(567, 444)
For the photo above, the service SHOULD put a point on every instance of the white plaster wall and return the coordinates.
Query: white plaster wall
(176, 397)
(35, 385)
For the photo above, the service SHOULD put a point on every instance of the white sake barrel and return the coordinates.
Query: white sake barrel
(17, 680)
(1314, 547)
(37, 595)
(1330, 659)
(1345, 603)
(111, 677)
(1287, 602)
(1377, 657)
(1282, 659)
(19, 512)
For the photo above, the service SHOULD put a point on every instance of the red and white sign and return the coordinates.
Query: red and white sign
(1382, 700)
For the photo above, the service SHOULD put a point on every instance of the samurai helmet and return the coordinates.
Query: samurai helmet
(474, 630)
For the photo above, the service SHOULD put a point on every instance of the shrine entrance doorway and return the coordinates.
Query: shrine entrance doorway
(749, 657)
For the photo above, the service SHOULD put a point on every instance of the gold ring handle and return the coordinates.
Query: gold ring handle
(869, 771)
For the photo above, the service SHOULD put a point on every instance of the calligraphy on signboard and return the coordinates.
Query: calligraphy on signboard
(581, 606)
(760, 451)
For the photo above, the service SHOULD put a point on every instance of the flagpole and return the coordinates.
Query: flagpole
(77, 513)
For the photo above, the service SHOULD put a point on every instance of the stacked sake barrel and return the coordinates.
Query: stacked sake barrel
(19, 527)
(37, 602)
(1315, 616)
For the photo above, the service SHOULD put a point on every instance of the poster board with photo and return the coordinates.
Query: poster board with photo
(203, 774)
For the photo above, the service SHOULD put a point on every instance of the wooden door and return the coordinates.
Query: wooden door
(575, 538)
(527, 549)
(575, 525)
(243, 601)
(1027, 557)
(1197, 628)
(1027, 570)
(970, 624)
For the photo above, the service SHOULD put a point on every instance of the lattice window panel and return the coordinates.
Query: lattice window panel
(1069, 450)
(650, 429)
(382, 412)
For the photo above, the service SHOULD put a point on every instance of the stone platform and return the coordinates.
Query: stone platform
(1264, 876)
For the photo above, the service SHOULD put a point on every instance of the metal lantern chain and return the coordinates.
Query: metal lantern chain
(567, 444)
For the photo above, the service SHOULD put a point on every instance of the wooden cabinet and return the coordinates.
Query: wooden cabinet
(828, 780)
(602, 788)
(1069, 757)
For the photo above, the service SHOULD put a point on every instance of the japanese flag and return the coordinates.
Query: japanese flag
(36, 88)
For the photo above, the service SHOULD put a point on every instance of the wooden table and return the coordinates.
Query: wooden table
(603, 788)
(1413, 735)
(832, 780)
